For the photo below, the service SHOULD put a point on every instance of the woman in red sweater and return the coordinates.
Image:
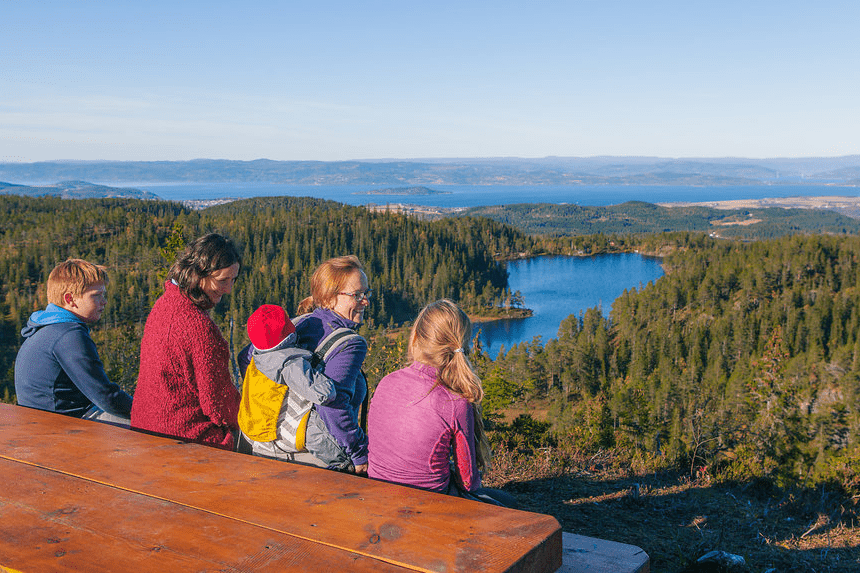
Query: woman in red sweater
(184, 388)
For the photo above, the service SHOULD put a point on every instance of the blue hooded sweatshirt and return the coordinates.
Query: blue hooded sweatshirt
(58, 368)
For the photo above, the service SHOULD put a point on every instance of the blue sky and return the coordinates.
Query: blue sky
(176, 80)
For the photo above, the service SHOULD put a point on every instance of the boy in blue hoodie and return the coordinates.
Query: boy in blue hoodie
(58, 367)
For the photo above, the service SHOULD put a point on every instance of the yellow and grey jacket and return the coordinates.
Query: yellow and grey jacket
(281, 386)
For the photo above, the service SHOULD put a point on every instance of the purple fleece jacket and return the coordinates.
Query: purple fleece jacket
(344, 368)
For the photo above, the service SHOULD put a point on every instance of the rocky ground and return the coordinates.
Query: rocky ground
(677, 520)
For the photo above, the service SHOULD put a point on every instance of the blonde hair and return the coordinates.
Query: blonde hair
(328, 280)
(440, 338)
(74, 276)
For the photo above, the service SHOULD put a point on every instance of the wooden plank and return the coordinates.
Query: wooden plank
(94, 527)
(589, 555)
(397, 525)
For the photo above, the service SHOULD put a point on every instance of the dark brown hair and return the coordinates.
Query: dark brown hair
(199, 259)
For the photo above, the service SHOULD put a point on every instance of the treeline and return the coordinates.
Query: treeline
(744, 359)
(636, 217)
(409, 262)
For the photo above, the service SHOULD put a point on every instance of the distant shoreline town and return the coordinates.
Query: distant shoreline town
(417, 190)
(846, 205)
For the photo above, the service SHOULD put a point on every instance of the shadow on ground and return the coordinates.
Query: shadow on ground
(677, 521)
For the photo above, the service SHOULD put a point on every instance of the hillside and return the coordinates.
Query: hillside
(282, 239)
(715, 409)
(638, 217)
(75, 190)
(676, 520)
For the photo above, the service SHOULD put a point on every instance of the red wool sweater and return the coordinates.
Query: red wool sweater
(184, 388)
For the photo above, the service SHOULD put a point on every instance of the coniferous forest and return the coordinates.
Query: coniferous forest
(744, 359)
(282, 240)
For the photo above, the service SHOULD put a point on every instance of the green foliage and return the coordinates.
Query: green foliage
(743, 359)
(588, 423)
(524, 433)
(409, 263)
(499, 393)
(843, 469)
(171, 249)
(386, 353)
(640, 217)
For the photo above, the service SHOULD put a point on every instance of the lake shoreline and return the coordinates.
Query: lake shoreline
(556, 287)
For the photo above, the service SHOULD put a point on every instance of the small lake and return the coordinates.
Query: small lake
(556, 287)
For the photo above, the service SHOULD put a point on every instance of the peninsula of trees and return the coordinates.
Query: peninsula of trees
(74, 190)
(636, 217)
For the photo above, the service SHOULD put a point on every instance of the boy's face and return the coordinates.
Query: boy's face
(90, 305)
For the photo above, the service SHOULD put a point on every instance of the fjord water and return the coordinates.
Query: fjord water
(478, 195)
(556, 287)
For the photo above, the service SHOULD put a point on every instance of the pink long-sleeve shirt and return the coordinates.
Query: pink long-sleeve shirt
(414, 428)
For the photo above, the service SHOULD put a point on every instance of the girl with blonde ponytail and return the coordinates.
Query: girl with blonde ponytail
(424, 425)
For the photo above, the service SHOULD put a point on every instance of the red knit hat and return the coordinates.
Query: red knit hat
(269, 326)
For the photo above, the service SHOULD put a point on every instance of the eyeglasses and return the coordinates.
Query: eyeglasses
(359, 296)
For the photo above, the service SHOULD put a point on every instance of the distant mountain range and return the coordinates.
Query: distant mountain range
(480, 171)
(75, 190)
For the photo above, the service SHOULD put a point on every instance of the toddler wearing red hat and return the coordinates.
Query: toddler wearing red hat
(270, 326)
(281, 385)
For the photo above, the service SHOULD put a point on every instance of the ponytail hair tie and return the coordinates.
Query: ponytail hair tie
(460, 350)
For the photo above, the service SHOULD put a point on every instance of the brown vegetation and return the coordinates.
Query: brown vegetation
(676, 519)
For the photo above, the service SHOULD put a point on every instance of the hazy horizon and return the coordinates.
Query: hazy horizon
(442, 159)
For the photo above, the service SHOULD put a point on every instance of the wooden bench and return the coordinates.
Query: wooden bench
(80, 495)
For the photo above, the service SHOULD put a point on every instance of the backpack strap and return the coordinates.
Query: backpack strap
(326, 348)
(333, 341)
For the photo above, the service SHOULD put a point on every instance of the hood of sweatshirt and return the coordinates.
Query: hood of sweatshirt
(52, 314)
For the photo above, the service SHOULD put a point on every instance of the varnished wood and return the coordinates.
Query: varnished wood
(344, 515)
(52, 521)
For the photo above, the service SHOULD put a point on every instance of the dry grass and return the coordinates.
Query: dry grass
(676, 520)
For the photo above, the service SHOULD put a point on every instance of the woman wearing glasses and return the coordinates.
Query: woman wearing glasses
(339, 296)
